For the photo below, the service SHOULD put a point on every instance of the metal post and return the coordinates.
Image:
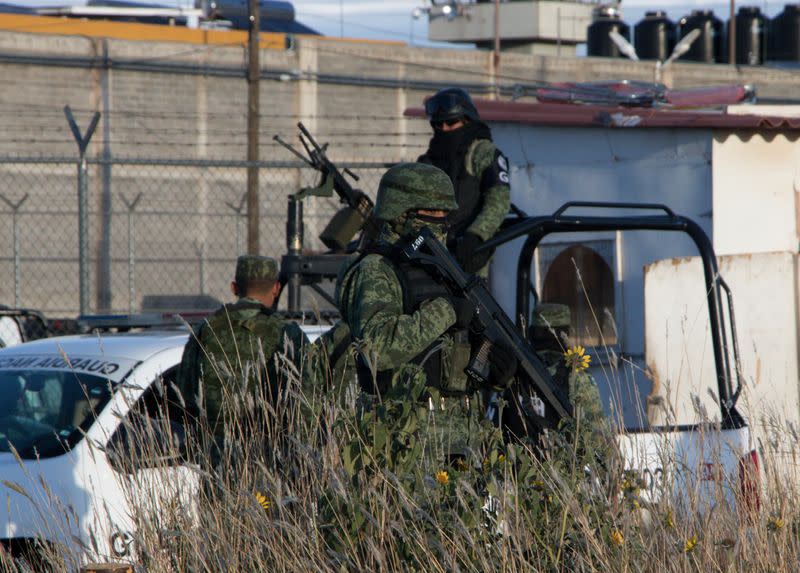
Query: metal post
(732, 35)
(83, 203)
(200, 249)
(101, 189)
(238, 210)
(294, 247)
(103, 295)
(15, 227)
(496, 37)
(253, 74)
(558, 34)
(131, 205)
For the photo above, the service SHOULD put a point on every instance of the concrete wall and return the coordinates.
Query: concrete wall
(187, 101)
(756, 183)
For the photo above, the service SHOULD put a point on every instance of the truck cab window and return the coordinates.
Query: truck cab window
(581, 278)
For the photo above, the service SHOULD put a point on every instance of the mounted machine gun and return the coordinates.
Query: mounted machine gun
(297, 268)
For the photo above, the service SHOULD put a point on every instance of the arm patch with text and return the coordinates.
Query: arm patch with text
(497, 172)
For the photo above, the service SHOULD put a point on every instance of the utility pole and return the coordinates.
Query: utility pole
(732, 35)
(253, 74)
(496, 36)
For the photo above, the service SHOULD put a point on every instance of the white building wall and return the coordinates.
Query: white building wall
(756, 181)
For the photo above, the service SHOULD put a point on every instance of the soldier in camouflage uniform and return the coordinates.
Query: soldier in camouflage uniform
(411, 333)
(549, 335)
(234, 344)
(330, 365)
(462, 147)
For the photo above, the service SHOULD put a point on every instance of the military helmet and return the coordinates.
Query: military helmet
(411, 186)
(551, 322)
(251, 268)
(450, 103)
(551, 314)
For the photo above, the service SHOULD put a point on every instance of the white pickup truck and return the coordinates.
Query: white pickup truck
(698, 464)
(63, 403)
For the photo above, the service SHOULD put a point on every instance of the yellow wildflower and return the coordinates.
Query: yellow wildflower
(616, 537)
(263, 501)
(461, 465)
(577, 358)
(669, 521)
(442, 477)
(501, 458)
(775, 523)
(690, 544)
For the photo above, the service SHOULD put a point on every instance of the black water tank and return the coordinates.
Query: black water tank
(784, 42)
(654, 36)
(709, 46)
(751, 36)
(598, 43)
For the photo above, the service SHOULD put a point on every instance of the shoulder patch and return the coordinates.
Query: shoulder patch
(497, 172)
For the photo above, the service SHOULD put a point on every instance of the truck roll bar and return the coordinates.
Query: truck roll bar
(537, 227)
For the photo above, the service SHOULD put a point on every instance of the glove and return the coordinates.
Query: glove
(464, 252)
(502, 366)
(465, 311)
(464, 248)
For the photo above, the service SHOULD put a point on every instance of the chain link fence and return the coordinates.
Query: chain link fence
(161, 234)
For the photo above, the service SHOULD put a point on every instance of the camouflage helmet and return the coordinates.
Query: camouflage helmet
(449, 104)
(551, 314)
(551, 322)
(255, 268)
(410, 186)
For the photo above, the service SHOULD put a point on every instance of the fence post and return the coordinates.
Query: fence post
(238, 210)
(200, 250)
(15, 228)
(131, 205)
(83, 203)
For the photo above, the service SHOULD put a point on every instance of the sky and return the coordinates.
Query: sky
(392, 19)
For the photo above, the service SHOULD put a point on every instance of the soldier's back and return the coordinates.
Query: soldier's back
(237, 346)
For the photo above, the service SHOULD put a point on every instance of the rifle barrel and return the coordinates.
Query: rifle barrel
(293, 150)
(351, 174)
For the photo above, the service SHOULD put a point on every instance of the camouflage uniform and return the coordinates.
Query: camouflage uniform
(331, 365)
(398, 345)
(549, 335)
(478, 171)
(233, 345)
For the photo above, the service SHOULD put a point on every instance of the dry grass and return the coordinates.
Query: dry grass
(281, 496)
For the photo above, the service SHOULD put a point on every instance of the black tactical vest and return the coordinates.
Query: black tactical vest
(417, 285)
(470, 203)
(468, 197)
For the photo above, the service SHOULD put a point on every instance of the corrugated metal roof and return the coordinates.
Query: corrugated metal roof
(579, 115)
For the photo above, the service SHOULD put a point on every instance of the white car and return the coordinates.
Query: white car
(63, 404)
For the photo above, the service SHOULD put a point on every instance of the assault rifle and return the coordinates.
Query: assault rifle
(495, 327)
(356, 215)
